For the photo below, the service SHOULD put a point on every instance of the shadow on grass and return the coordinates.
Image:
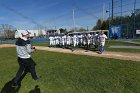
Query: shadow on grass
(35, 90)
(8, 88)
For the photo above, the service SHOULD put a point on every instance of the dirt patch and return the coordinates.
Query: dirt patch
(6, 45)
(106, 54)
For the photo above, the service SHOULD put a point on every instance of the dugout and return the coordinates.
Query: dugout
(89, 32)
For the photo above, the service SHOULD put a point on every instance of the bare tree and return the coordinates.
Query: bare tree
(7, 31)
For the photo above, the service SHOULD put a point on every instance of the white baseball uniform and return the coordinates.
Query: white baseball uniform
(102, 39)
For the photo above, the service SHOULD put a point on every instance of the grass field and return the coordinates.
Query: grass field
(68, 73)
(137, 40)
(117, 43)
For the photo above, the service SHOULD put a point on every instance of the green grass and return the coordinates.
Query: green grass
(117, 43)
(137, 40)
(41, 44)
(114, 42)
(68, 73)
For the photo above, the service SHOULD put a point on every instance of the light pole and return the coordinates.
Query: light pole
(112, 9)
(134, 19)
(121, 13)
(74, 21)
(87, 28)
(108, 11)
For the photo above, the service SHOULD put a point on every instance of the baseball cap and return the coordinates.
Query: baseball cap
(25, 32)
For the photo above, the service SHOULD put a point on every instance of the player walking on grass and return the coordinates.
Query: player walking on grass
(26, 63)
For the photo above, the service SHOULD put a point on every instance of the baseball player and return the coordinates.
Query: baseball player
(84, 40)
(54, 41)
(57, 40)
(74, 38)
(102, 38)
(68, 40)
(87, 39)
(64, 41)
(81, 40)
(26, 63)
(51, 38)
(95, 40)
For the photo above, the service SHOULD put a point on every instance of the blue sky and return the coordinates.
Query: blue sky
(26, 14)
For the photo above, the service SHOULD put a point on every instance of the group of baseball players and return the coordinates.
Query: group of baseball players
(74, 40)
(24, 50)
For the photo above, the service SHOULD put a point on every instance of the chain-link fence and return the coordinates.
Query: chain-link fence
(127, 14)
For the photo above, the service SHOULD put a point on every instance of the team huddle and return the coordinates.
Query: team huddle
(73, 40)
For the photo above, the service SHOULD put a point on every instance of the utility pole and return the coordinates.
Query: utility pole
(103, 12)
(121, 16)
(121, 12)
(134, 19)
(108, 11)
(87, 28)
(109, 14)
(109, 18)
(74, 22)
(112, 8)
(55, 27)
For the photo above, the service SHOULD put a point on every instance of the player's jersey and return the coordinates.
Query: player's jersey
(102, 38)
(95, 37)
(68, 38)
(55, 37)
(74, 38)
(81, 38)
(51, 38)
(64, 38)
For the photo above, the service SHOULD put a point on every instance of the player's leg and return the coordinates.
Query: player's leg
(31, 67)
(74, 45)
(63, 43)
(103, 44)
(50, 43)
(19, 73)
(101, 47)
(23, 75)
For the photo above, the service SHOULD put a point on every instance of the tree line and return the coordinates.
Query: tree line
(129, 23)
(7, 31)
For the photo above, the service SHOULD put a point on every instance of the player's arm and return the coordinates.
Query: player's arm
(29, 47)
(105, 37)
